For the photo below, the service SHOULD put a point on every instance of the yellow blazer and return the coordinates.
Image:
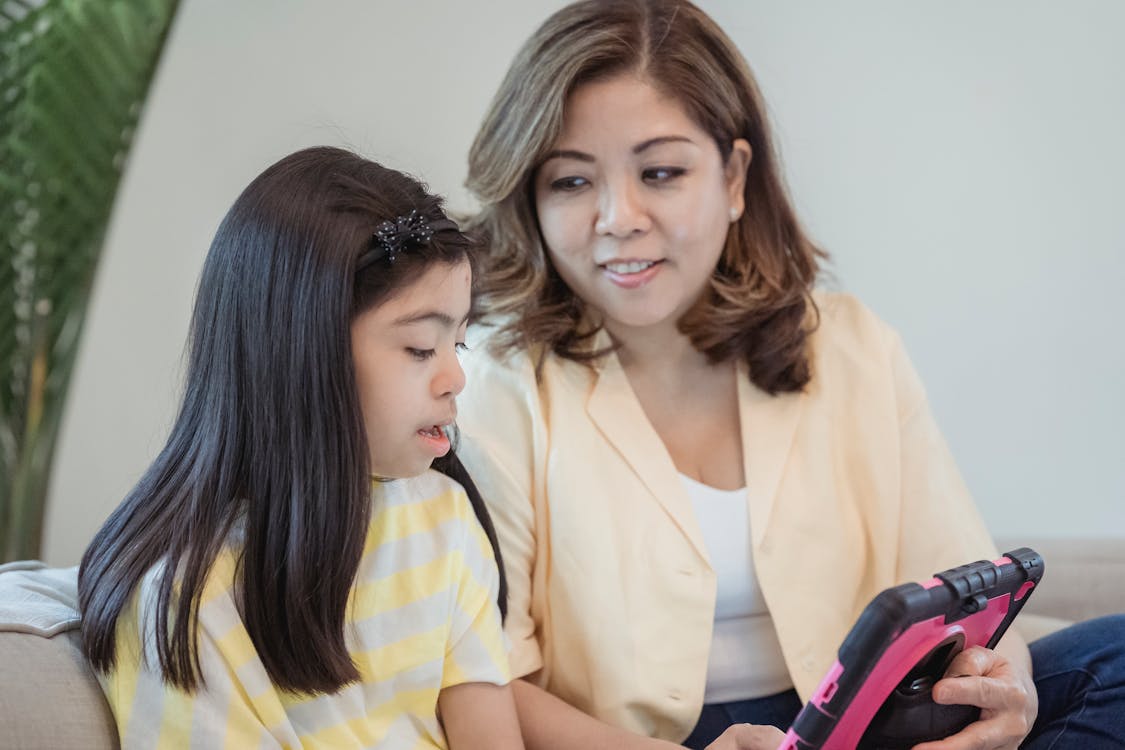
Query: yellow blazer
(851, 489)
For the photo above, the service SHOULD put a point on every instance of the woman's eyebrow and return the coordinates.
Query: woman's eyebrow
(661, 140)
(568, 154)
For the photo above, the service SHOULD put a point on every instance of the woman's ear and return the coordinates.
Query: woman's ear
(737, 165)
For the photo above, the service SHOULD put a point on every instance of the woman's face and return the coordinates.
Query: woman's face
(634, 203)
(407, 369)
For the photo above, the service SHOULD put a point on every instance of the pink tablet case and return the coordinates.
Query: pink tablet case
(876, 696)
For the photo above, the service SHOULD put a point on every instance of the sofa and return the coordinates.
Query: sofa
(50, 699)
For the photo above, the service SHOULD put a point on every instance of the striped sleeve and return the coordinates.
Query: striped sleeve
(476, 650)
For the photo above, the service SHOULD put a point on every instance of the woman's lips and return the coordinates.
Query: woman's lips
(631, 274)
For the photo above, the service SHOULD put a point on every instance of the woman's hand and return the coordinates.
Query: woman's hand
(1001, 688)
(748, 737)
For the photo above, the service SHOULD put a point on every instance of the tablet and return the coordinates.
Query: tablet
(877, 696)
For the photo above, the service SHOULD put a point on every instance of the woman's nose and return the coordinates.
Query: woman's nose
(621, 210)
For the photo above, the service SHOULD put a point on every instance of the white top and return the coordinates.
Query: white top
(745, 660)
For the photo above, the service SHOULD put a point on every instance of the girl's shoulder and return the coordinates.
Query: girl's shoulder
(425, 507)
(430, 488)
(425, 525)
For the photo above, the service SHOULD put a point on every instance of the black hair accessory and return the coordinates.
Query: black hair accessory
(392, 237)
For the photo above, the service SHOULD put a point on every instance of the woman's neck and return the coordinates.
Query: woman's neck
(691, 403)
(661, 351)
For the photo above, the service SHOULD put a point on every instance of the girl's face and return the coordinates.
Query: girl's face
(634, 202)
(407, 369)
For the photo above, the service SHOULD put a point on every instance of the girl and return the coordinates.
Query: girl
(289, 571)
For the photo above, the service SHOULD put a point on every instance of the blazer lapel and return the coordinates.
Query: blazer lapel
(618, 415)
(769, 425)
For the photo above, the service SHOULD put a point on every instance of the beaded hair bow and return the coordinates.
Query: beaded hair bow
(393, 237)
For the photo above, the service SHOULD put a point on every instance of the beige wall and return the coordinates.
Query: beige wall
(962, 161)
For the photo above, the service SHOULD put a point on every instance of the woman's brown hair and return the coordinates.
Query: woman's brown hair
(758, 305)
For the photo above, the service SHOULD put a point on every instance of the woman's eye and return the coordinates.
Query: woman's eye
(420, 354)
(662, 174)
(462, 347)
(567, 184)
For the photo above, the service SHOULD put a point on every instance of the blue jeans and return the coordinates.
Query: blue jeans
(778, 710)
(1079, 675)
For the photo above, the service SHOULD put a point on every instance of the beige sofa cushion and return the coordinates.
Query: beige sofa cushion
(49, 698)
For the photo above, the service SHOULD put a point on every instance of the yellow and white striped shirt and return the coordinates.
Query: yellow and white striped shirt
(422, 617)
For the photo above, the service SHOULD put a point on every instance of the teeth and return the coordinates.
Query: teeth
(635, 266)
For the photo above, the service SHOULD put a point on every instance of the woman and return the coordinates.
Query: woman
(700, 469)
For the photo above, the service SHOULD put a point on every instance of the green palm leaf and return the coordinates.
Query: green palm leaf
(73, 76)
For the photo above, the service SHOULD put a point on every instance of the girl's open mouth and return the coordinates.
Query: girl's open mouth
(435, 439)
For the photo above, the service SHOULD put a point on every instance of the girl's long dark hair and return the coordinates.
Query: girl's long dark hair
(269, 438)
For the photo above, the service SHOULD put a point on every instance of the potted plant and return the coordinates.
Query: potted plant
(73, 77)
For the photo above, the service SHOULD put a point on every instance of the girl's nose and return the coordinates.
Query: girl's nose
(450, 381)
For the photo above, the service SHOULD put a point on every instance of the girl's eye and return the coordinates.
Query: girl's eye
(568, 184)
(462, 347)
(420, 354)
(662, 174)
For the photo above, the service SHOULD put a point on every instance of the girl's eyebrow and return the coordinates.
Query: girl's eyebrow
(443, 319)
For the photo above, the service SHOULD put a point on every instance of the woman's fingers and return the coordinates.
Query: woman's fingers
(748, 737)
(981, 677)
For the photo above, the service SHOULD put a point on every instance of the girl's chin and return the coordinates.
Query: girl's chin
(401, 471)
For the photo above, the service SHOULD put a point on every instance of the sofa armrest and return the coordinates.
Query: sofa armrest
(49, 697)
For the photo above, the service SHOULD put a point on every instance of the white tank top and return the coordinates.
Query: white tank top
(745, 660)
